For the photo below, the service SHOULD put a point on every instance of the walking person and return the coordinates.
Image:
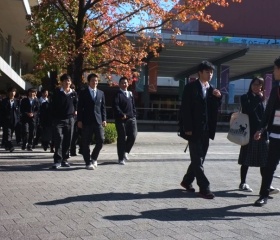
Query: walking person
(254, 154)
(270, 123)
(125, 120)
(10, 114)
(64, 108)
(76, 134)
(29, 108)
(45, 120)
(199, 109)
(92, 120)
(19, 126)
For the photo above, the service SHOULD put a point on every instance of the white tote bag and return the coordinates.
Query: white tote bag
(239, 129)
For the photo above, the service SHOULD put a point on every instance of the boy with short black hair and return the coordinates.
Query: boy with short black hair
(64, 108)
(10, 117)
(29, 108)
(199, 109)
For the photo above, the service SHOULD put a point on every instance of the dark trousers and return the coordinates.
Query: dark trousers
(28, 132)
(46, 135)
(62, 135)
(198, 150)
(272, 162)
(75, 139)
(87, 133)
(4, 137)
(37, 136)
(18, 132)
(127, 132)
(8, 131)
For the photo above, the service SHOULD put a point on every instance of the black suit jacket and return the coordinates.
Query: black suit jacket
(10, 116)
(90, 111)
(195, 110)
(253, 106)
(123, 105)
(273, 104)
(26, 107)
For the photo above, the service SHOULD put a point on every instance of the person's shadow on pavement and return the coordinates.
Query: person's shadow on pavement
(184, 214)
(122, 196)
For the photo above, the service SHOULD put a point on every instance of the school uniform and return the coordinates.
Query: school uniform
(92, 113)
(64, 106)
(124, 105)
(29, 124)
(199, 110)
(10, 117)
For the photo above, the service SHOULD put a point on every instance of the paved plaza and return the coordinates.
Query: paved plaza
(141, 200)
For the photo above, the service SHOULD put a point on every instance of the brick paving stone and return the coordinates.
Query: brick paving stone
(100, 237)
(11, 234)
(186, 237)
(75, 233)
(225, 234)
(142, 234)
(29, 237)
(52, 236)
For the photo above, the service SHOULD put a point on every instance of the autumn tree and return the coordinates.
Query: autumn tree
(106, 36)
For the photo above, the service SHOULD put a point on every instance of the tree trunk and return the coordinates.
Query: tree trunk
(77, 75)
(75, 70)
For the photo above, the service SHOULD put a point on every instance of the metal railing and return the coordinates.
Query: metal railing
(165, 114)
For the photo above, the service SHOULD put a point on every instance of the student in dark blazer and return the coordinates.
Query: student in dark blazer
(125, 120)
(45, 120)
(91, 119)
(199, 109)
(10, 117)
(270, 123)
(64, 108)
(29, 108)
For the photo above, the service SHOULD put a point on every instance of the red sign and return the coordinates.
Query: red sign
(153, 67)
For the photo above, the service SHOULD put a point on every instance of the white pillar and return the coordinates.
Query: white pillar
(19, 64)
(9, 50)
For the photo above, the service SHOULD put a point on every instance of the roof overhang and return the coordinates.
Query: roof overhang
(244, 60)
(13, 23)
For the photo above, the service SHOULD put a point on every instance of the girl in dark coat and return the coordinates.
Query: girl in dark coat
(254, 154)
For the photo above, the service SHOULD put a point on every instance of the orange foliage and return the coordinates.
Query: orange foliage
(108, 36)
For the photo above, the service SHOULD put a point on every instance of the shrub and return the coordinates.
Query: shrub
(110, 133)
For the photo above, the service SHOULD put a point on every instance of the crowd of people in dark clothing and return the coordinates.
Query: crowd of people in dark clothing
(58, 121)
(27, 117)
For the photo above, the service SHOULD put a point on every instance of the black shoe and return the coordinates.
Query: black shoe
(73, 154)
(56, 166)
(12, 149)
(261, 201)
(189, 187)
(29, 149)
(23, 147)
(65, 164)
(206, 194)
(52, 150)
